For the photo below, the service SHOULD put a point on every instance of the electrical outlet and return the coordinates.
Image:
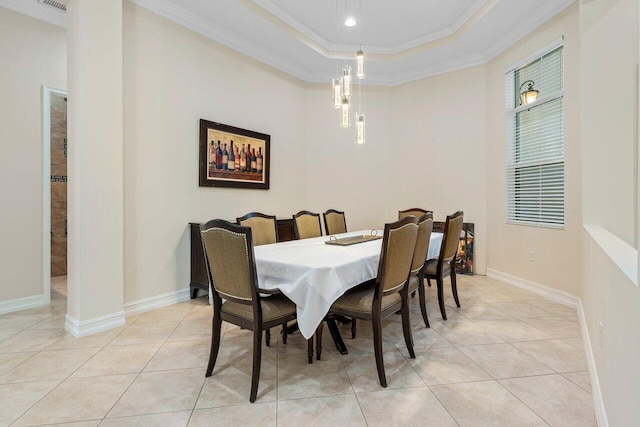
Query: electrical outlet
(601, 332)
(532, 256)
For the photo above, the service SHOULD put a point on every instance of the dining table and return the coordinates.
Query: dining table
(314, 274)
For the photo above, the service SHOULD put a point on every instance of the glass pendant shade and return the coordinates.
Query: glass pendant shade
(360, 64)
(345, 113)
(346, 81)
(360, 128)
(337, 93)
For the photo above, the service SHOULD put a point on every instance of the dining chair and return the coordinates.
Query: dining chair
(232, 273)
(306, 225)
(376, 300)
(334, 222)
(445, 264)
(416, 279)
(417, 212)
(264, 228)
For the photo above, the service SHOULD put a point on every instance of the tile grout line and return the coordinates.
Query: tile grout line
(143, 368)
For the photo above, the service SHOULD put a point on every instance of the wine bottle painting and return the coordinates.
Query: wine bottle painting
(233, 157)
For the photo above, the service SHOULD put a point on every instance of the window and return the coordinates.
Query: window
(535, 142)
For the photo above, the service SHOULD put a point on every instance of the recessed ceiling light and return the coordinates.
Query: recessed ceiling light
(350, 22)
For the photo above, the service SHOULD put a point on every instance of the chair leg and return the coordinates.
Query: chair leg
(423, 304)
(406, 326)
(310, 350)
(454, 285)
(257, 356)
(215, 343)
(413, 294)
(353, 329)
(267, 337)
(319, 341)
(377, 346)
(429, 282)
(443, 310)
(284, 333)
(194, 292)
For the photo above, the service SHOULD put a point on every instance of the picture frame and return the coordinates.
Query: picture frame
(218, 167)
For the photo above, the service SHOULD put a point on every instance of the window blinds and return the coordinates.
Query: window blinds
(535, 143)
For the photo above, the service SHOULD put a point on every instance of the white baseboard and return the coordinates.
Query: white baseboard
(598, 402)
(93, 326)
(561, 297)
(23, 303)
(158, 301)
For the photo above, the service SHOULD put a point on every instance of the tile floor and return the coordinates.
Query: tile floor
(507, 357)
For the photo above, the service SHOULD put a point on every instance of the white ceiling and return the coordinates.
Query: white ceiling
(403, 40)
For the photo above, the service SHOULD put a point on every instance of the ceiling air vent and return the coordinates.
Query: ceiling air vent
(54, 3)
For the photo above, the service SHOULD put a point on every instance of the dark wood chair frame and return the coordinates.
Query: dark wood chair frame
(333, 211)
(303, 213)
(377, 314)
(257, 325)
(260, 215)
(421, 289)
(438, 276)
(267, 334)
(422, 211)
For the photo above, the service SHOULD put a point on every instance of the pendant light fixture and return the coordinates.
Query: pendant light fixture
(341, 86)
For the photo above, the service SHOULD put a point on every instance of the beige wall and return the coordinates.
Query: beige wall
(172, 78)
(439, 154)
(557, 252)
(609, 58)
(608, 74)
(33, 54)
(416, 153)
(334, 159)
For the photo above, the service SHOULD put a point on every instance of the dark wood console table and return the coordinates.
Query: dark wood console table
(199, 278)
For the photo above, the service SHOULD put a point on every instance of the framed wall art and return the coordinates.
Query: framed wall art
(233, 157)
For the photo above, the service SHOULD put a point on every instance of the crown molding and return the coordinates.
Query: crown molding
(37, 10)
(523, 29)
(168, 10)
(436, 69)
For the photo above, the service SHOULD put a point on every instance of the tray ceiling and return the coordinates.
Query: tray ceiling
(403, 40)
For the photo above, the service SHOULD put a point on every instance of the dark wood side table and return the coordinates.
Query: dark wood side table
(199, 277)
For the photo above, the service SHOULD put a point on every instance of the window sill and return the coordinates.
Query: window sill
(621, 253)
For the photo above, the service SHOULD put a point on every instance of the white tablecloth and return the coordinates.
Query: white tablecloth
(314, 275)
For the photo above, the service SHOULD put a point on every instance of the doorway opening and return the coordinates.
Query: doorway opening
(54, 106)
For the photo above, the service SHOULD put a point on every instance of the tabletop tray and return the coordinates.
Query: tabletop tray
(346, 241)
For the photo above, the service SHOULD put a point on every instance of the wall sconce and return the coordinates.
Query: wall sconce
(530, 95)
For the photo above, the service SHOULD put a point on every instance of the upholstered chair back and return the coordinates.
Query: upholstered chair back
(334, 222)
(417, 212)
(425, 226)
(307, 225)
(264, 228)
(398, 244)
(451, 238)
(229, 254)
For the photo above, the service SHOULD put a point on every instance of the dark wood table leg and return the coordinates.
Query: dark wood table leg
(335, 335)
(310, 349)
(319, 341)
